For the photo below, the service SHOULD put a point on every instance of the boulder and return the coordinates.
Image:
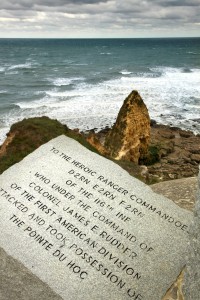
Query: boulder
(130, 135)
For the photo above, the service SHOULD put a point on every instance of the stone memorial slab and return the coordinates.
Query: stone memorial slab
(87, 228)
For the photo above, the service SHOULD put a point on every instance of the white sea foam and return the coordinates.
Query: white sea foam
(193, 53)
(125, 72)
(44, 102)
(3, 132)
(68, 61)
(64, 81)
(105, 53)
(80, 64)
(171, 98)
(27, 65)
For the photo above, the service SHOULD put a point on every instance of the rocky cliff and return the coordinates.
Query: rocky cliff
(173, 153)
(27, 135)
(177, 151)
(129, 136)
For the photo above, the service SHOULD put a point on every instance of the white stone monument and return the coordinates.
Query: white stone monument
(87, 229)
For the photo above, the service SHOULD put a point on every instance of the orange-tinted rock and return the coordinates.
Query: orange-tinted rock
(130, 135)
(175, 292)
(8, 140)
(93, 140)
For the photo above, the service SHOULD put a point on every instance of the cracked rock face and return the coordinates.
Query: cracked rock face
(130, 135)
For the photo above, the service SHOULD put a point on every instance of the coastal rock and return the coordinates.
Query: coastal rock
(3, 148)
(174, 153)
(177, 153)
(94, 141)
(129, 137)
(196, 157)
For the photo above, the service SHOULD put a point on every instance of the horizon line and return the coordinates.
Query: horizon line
(104, 38)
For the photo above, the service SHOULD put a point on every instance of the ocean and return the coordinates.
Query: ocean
(83, 82)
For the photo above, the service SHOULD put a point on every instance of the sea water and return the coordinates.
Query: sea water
(83, 82)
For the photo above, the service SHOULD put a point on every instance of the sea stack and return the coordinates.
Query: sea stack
(130, 135)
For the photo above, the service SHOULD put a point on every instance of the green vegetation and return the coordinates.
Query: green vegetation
(132, 168)
(152, 157)
(31, 133)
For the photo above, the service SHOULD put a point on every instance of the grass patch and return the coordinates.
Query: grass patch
(31, 133)
(152, 157)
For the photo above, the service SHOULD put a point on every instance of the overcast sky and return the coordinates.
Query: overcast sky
(99, 18)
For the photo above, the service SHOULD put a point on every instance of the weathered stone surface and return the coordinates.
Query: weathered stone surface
(129, 136)
(181, 191)
(192, 278)
(195, 157)
(19, 283)
(62, 179)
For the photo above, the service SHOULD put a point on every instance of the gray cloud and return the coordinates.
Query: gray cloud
(178, 3)
(100, 17)
(25, 4)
